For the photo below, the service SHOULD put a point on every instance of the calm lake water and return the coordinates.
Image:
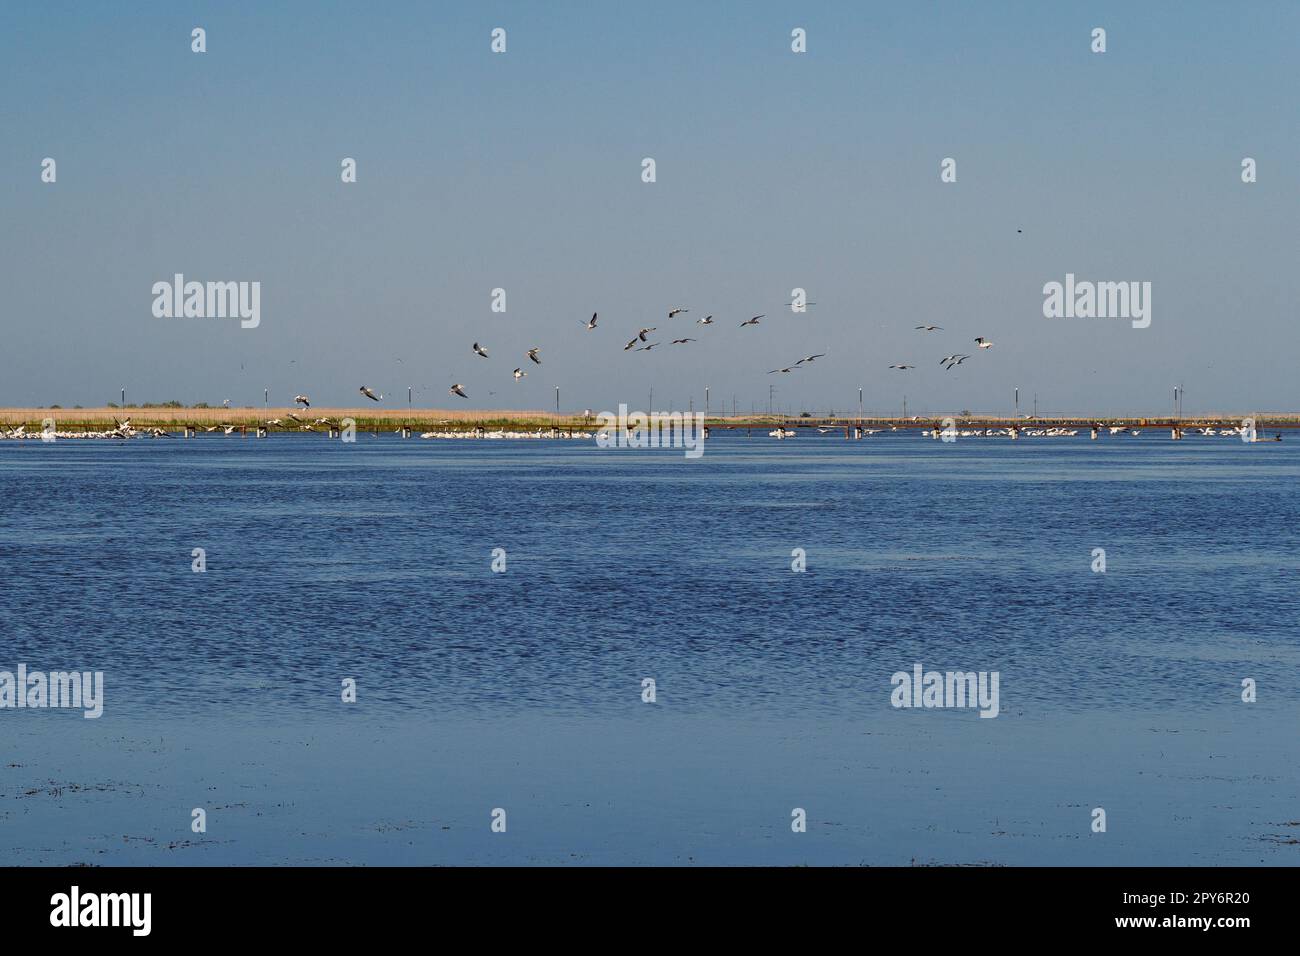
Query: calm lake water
(523, 689)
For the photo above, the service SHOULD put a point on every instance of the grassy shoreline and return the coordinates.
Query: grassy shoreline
(171, 418)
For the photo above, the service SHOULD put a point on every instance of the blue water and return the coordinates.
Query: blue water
(372, 561)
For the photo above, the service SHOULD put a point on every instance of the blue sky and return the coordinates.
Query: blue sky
(775, 171)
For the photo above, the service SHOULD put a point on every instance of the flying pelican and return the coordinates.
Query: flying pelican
(955, 361)
(983, 343)
(672, 312)
(792, 368)
(930, 328)
(369, 394)
(592, 324)
(634, 341)
(683, 341)
(902, 368)
(520, 373)
(810, 358)
(532, 354)
(641, 334)
(753, 321)
(647, 348)
(480, 350)
(707, 320)
(302, 400)
(457, 390)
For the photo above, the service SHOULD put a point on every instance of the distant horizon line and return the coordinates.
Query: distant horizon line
(249, 413)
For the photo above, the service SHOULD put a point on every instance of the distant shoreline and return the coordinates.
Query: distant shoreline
(432, 419)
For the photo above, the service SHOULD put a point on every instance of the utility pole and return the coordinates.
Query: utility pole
(770, 390)
(706, 401)
(124, 396)
(557, 400)
(904, 406)
(266, 397)
(1035, 406)
(859, 406)
(1017, 403)
(652, 400)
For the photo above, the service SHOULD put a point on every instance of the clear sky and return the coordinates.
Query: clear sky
(775, 170)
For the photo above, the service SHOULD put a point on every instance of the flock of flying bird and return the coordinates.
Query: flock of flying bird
(641, 343)
(948, 362)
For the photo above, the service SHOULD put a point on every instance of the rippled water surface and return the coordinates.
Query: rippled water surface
(373, 561)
